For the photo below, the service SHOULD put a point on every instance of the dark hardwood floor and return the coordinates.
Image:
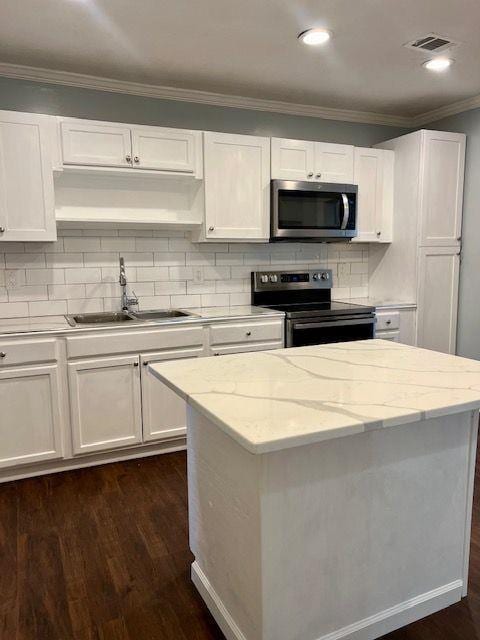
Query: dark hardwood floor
(102, 553)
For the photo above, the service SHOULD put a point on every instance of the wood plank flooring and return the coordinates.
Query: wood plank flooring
(102, 554)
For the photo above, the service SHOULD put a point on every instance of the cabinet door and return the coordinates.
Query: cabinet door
(292, 159)
(27, 205)
(166, 149)
(96, 144)
(443, 167)
(333, 162)
(438, 298)
(164, 412)
(30, 423)
(237, 187)
(105, 403)
(373, 173)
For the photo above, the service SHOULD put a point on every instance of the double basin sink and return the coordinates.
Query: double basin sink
(122, 317)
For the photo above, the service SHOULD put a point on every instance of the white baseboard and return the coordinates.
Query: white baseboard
(366, 629)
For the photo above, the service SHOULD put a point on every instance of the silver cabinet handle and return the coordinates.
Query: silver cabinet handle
(146, 363)
(379, 233)
(135, 364)
(136, 159)
(3, 354)
(319, 175)
(249, 333)
(2, 229)
(388, 322)
(216, 354)
(310, 175)
(128, 158)
(211, 228)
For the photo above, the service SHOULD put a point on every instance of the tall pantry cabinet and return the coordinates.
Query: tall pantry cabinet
(423, 263)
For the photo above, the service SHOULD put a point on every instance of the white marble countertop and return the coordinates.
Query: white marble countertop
(382, 304)
(274, 400)
(58, 324)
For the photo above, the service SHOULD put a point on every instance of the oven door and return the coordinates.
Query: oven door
(311, 331)
(313, 210)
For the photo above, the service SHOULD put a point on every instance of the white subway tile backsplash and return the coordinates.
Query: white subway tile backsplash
(47, 308)
(25, 260)
(66, 291)
(83, 274)
(79, 273)
(45, 276)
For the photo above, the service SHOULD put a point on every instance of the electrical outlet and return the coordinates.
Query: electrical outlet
(11, 279)
(198, 274)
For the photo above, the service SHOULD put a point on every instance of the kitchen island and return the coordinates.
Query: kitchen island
(330, 487)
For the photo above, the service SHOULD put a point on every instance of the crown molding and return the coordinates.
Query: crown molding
(448, 110)
(201, 97)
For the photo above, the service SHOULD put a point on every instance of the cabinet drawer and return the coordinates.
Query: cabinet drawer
(245, 347)
(134, 341)
(247, 332)
(15, 352)
(387, 321)
(392, 336)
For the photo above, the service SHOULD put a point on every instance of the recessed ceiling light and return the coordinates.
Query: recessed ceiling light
(438, 64)
(314, 36)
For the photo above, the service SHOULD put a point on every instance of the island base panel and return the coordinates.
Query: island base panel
(349, 538)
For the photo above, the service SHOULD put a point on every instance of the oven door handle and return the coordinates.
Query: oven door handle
(346, 211)
(337, 323)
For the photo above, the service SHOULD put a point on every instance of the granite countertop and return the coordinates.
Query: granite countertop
(58, 324)
(382, 304)
(274, 400)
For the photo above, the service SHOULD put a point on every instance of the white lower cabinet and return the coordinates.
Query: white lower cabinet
(30, 421)
(438, 272)
(396, 324)
(105, 403)
(164, 412)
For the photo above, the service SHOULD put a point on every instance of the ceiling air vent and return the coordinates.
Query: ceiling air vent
(431, 43)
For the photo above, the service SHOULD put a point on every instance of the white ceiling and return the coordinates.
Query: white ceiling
(249, 47)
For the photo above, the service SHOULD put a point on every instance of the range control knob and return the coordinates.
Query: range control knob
(324, 275)
(273, 278)
(264, 278)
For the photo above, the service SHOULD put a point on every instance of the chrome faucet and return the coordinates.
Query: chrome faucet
(127, 301)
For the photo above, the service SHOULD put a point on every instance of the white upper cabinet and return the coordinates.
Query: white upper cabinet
(292, 159)
(167, 149)
(317, 161)
(373, 173)
(443, 166)
(97, 144)
(121, 146)
(237, 187)
(27, 209)
(333, 162)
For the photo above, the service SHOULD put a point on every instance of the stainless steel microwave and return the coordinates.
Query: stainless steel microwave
(313, 211)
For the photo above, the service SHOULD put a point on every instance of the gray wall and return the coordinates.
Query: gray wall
(468, 334)
(20, 95)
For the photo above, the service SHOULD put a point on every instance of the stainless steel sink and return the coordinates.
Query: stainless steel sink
(101, 318)
(167, 314)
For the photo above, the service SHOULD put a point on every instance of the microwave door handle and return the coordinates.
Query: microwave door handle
(346, 211)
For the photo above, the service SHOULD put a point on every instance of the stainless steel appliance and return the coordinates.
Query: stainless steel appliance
(313, 211)
(312, 317)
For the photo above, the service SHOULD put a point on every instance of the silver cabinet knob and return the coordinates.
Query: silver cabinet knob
(319, 175)
(310, 175)
(211, 228)
(128, 158)
(146, 363)
(388, 322)
(379, 233)
(248, 334)
(2, 229)
(136, 159)
(3, 354)
(216, 354)
(135, 364)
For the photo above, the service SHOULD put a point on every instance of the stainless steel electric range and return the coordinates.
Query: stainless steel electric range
(311, 316)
